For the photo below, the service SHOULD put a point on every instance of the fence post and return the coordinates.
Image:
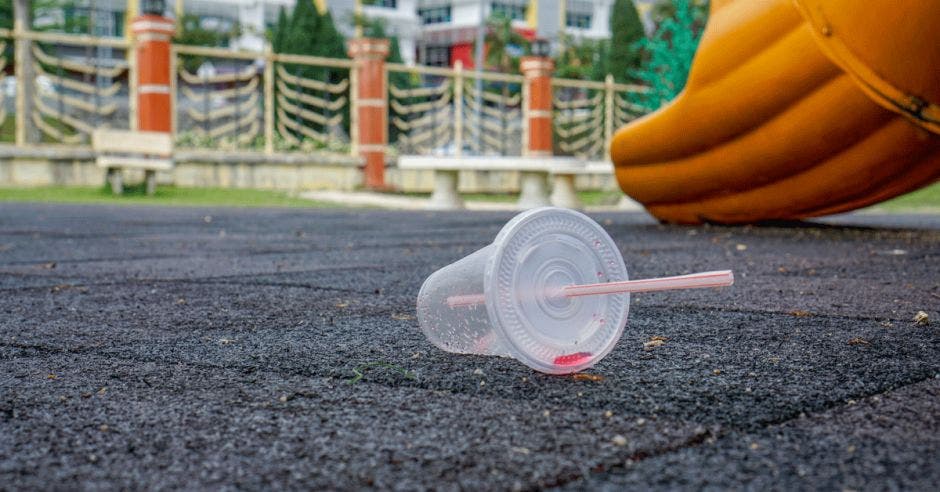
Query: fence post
(533, 186)
(174, 90)
(608, 113)
(131, 55)
(152, 34)
(458, 108)
(26, 131)
(268, 99)
(371, 105)
(538, 76)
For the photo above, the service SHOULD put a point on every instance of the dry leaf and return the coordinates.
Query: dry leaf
(799, 313)
(650, 345)
(858, 341)
(581, 376)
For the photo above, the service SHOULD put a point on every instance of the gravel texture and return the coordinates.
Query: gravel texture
(195, 348)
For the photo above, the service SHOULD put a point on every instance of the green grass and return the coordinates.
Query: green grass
(8, 129)
(926, 199)
(165, 195)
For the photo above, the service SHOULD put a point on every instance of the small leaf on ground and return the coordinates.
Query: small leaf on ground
(358, 371)
(654, 341)
(582, 376)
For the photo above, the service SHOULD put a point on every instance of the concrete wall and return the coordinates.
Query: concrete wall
(71, 166)
(486, 181)
(75, 166)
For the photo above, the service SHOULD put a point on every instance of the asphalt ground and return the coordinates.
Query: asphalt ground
(188, 348)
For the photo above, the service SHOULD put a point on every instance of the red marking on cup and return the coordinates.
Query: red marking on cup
(572, 359)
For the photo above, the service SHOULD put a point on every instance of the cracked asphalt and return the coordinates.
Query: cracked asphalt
(185, 348)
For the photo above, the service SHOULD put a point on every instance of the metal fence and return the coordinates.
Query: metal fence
(64, 86)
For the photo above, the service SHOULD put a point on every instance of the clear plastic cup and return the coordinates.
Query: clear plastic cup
(508, 299)
(551, 291)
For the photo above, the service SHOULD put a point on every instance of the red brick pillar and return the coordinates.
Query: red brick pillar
(153, 34)
(371, 106)
(538, 75)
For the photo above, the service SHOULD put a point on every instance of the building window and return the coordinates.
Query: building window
(577, 19)
(389, 4)
(435, 15)
(437, 56)
(512, 11)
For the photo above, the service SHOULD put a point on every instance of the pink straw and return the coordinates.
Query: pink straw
(701, 280)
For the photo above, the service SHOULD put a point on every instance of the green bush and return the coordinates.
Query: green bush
(669, 52)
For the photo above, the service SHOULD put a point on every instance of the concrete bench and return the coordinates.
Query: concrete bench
(564, 193)
(533, 176)
(123, 149)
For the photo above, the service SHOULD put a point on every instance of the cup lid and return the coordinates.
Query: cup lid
(537, 253)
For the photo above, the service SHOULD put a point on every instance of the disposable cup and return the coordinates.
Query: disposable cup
(551, 291)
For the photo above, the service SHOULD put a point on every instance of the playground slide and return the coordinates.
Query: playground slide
(793, 109)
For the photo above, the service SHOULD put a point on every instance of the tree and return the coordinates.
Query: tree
(670, 52)
(6, 14)
(503, 44)
(307, 32)
(279, 34)
(626, 30)
(582, 59)
(330, 43)
(192, 33)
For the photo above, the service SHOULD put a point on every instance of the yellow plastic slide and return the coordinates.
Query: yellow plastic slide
(793, 109)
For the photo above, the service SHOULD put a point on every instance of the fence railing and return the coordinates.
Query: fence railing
(65, 86)
(586, 114)
(455, 111)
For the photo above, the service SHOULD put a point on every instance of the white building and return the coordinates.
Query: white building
(440, 32)
(432, 32)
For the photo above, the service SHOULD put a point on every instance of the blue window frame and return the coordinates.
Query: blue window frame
(512, 11)
(435, 15)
